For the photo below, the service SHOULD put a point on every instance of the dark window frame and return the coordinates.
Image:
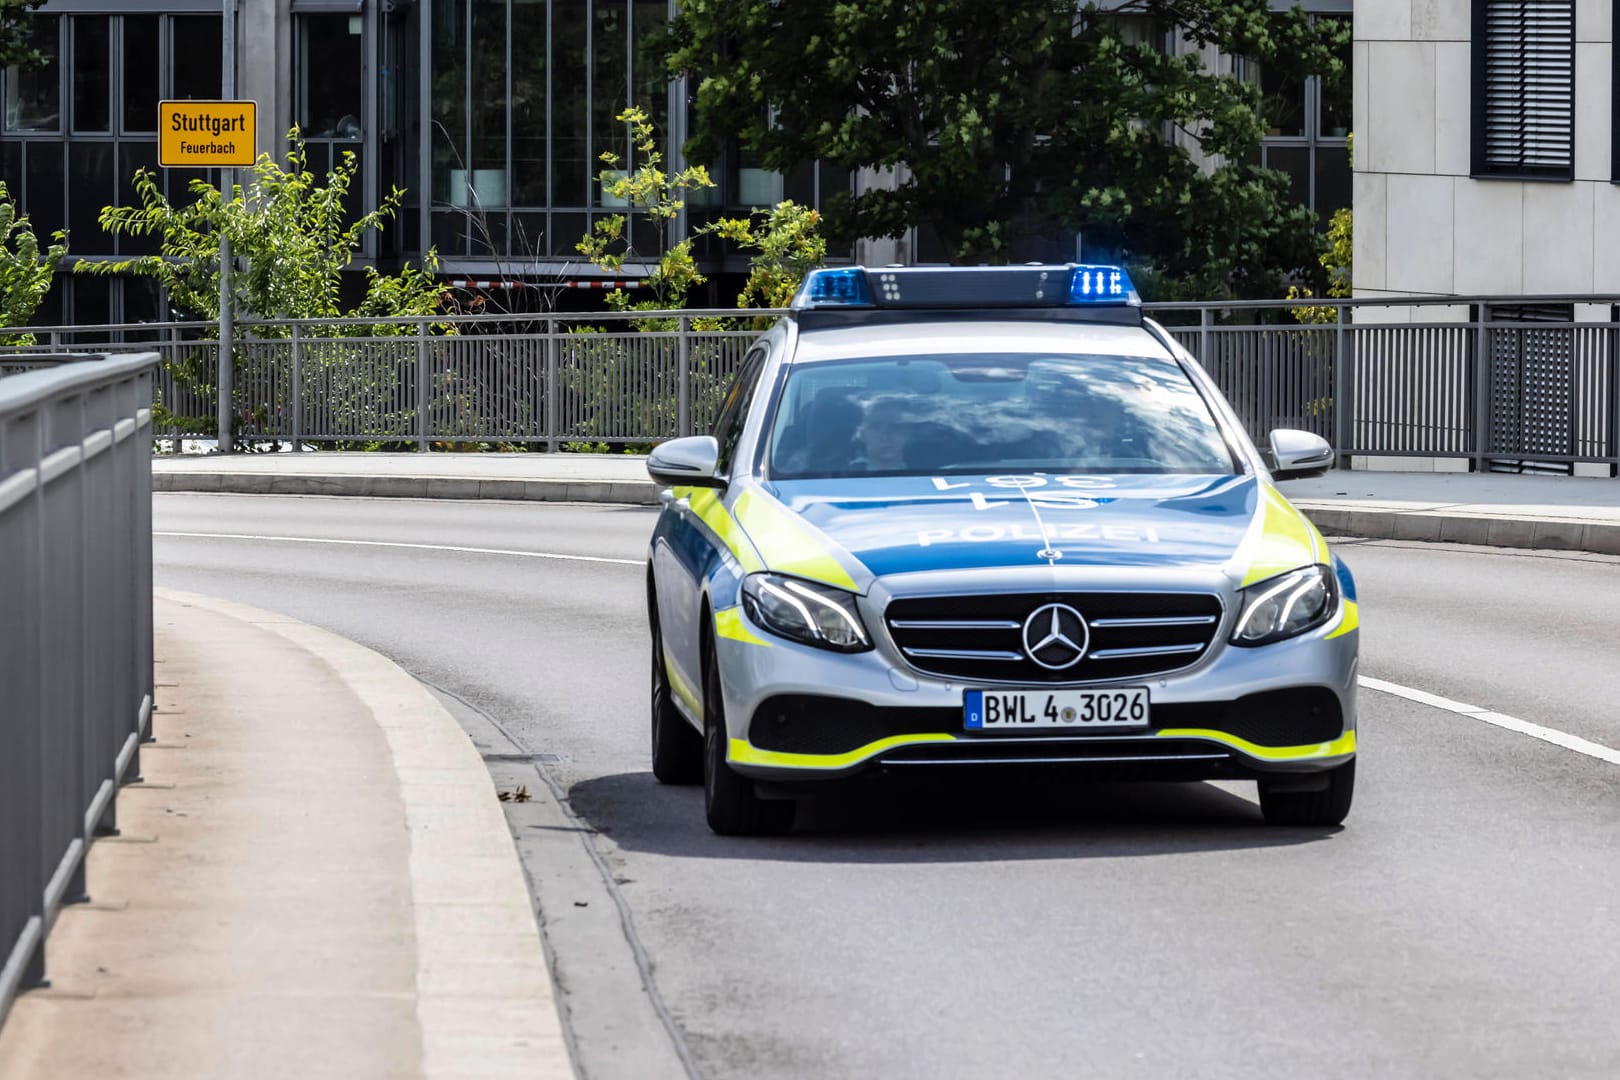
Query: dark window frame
(1479, 168)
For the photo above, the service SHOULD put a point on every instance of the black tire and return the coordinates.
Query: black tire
(729, 800)
(677, 748)
(1322, 808)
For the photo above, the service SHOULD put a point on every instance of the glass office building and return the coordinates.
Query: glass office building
(491, 115)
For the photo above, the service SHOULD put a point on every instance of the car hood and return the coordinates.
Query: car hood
(879, 526)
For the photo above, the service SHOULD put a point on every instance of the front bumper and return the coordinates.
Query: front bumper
(1226, 716)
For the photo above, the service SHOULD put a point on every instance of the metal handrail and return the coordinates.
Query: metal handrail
(76, 634)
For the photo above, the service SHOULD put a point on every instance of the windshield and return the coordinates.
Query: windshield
(983, 412)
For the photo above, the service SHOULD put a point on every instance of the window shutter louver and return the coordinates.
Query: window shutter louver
(1524, 88)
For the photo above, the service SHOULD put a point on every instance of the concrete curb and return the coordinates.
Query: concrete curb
(1544, 534)
(632, 492)
(484, 998)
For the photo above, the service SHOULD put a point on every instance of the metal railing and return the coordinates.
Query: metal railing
(75, 631)
(1458, 377)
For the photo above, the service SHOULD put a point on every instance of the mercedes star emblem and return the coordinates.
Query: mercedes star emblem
(1056, 636)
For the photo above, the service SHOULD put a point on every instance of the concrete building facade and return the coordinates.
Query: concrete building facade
(1484, 159)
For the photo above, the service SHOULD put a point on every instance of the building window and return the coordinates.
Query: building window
(34, 95)
(1524, 89)
(92, 73)
(106, 76)
(1307, 120)
(330, 71)
(196, 51)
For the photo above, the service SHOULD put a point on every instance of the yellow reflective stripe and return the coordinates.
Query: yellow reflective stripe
(1317, 540)
(729, 624)
(745, 753)
(785, 544)
(678, 684)
(706, 504)
(1285, 541)
(1344, 744)
(1350, 620)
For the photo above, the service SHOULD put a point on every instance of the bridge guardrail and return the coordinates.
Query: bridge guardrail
(75, 630)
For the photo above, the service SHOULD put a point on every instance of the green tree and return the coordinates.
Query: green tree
(294, 234)
(25, 275)
(294, 237)
(787, 244)
(1014, 121)
(659, 195)
(16, 26)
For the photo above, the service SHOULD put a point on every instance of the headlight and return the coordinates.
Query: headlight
(1286, 605)
(803, 611)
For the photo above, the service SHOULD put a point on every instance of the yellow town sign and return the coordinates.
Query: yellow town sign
(206, 134)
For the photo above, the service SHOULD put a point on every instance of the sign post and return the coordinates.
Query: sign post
(213, 135)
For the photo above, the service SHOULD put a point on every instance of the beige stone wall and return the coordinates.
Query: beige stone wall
(1422, 225)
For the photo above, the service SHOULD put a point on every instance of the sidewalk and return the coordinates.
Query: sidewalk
(1550, 512)
(314, 879)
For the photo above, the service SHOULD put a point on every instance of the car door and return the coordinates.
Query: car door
(686, 549)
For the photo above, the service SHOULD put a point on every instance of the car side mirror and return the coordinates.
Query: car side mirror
(1296, 455)
(692, 461)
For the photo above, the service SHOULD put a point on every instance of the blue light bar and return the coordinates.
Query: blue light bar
(966, 288)
(844, 287)
(1100, 285)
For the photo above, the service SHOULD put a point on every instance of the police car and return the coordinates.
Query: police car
(967, 518)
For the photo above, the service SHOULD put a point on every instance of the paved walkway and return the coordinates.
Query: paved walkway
(314, 879)
(1573, 513)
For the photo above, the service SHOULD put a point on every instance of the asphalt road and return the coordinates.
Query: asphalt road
(1465, 922)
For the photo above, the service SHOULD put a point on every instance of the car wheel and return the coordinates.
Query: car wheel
(1321, 808)
(729, 799)
(677, 748)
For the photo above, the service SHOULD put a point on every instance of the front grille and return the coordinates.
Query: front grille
(980, 638)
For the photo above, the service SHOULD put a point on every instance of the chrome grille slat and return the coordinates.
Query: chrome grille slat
(1174, 620)
(1149, 650)
(954, 624)
(963, 654)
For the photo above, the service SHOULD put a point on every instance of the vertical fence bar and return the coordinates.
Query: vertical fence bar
(297, 387)
(1341, 388)
(1482, 388)
(1206, 318)
(683, 393)
(552, 412)
(422, 381)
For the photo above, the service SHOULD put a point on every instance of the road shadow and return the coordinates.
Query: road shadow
(940, 819)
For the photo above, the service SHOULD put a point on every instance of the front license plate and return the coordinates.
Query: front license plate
(1026, 710)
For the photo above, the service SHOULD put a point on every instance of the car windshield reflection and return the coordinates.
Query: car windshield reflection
(977, 413)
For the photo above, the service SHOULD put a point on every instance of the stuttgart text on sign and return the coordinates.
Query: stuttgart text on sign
(215, 134)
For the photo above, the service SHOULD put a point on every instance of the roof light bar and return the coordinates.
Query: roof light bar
(966, 287)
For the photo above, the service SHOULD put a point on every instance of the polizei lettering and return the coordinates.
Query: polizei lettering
(987, 534)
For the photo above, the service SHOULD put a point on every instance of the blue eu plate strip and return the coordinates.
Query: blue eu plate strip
(973, 702)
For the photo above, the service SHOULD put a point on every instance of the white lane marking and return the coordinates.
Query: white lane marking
(398, 544)
(1511, 723)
